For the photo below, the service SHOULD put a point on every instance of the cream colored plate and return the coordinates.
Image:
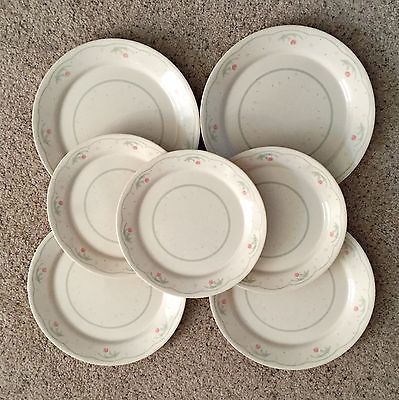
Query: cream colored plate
(306, 217)
(307, 327)
(83, 196)
(99, 319)
(191, 223)
(112, 85)
(290, 86)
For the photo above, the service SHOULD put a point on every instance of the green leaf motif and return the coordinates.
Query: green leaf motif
(213, 284)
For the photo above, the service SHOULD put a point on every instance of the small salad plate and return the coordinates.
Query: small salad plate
(307, 327)
(191, 223)
(290, 86)
(112, 85)
(306, 215)
(83, 196)
(95, 318)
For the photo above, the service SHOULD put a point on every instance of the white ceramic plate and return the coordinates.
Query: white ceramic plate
(307, 327)
(290, 86)
(112, 85)
(83, 196)
(306, 217)
(95, 318)
(191, 223)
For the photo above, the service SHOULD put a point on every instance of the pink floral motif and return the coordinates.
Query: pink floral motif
(146, 180)
(157, 277)
(258, 346)
(60, 202)
(134, 147)
(125, 55)
(83, 156)
(347, 74)
(56, 324)
(244, 192)
(234, 67)
(67, 73)
(300, 276)
(156, 330)
(215, 127)
(44, 269)
(316, 349)
(130, 230)
(356, 308)
(223, 301)
(213, 284)
(249, 245)
(353, 137)
(48, 131)
(296, 274)
(106, 349)
(198, 162)
(82, 250)
(293, 42)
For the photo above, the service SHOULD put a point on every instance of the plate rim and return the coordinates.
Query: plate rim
(212, 77)
(364, 323)
(61, 346)
(71, 53)
(202, 293)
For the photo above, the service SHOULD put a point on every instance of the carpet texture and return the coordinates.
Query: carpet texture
(197, 363)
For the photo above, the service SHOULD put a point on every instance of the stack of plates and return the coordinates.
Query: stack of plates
(142, 220)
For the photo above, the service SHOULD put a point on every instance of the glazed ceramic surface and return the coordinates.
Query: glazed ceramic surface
(99, 319)
(112, 85)
(83, 196)
(307, 327)
(306, 217)
(290, 86)
(191, 223)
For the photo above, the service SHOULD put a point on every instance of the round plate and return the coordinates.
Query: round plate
(95, 318)
(112, 85)
(307, 327)
(306, 217)
(191, 223)
(290, 86)
(83, 196)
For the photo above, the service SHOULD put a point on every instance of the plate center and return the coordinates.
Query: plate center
(101, 199)
(287, 218)
(97, 105)
(297, 310)
(109, 303)
(180, 227)
(290, 107)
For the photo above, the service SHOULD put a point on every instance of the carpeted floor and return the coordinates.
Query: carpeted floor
(197, 363)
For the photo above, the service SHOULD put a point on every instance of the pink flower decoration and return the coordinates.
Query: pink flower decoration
(44, 269)
(315, 349)
(215, 127)
(331, 234)
(223, 301)
(296, 274)
(234, 67)
(198, 162)
(106, 349)
(48, 131)
(158, 274)
(134, 147)
(258, 346)
(156, 330)
(125, 55)
(211, 282)
(67, 73)
(55, 324)
(320, 182)
(130, 230)
(60, 202)
(244, 192)
(293, 42)
(146, 180)
(354, 137)
(347, 74)
(269, 158)
(356, 308)
(82, 250)
(346, 252)
(83, 156)
(249, 246)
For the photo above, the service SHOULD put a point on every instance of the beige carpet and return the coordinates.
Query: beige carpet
(197, 363)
